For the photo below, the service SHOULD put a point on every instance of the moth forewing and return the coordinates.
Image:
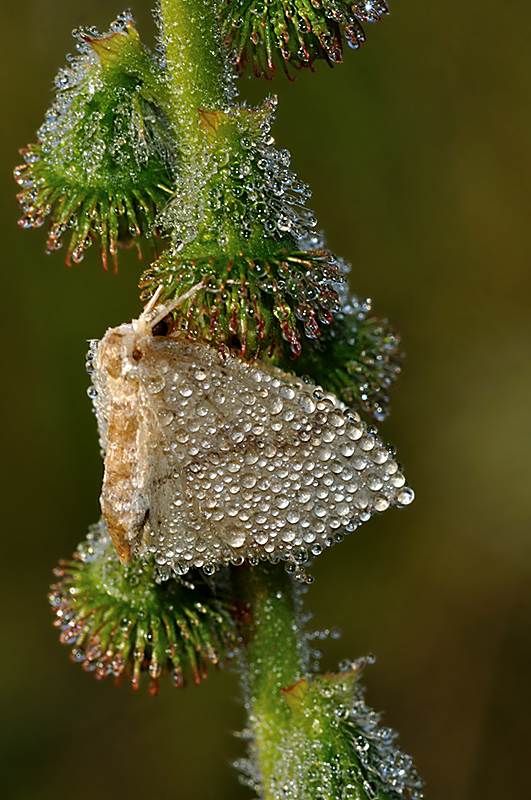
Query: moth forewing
(123, 498)
(125, 428)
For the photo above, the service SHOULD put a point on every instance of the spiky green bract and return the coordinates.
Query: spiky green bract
(103, 163)
(251, 304)
(358, 358)
(297, 31)
(239, 226)
(335, 746)
(119, 621)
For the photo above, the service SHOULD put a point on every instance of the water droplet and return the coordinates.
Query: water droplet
(405, 496)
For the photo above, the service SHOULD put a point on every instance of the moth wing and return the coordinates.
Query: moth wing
(260, 464)
(124, 499)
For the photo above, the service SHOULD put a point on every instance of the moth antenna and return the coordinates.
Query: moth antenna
(167, 308)
(150, 305)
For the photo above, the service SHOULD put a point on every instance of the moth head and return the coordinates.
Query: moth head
(164, 326)
(120, 350)
(110, 353)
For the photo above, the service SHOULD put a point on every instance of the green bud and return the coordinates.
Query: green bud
(297, 31)
(240, 192)
(103, 162)
(119, 621)
(251, 304)
(240, 226)
(358, 358)
(333, 746)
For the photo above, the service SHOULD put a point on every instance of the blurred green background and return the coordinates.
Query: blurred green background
(418, 151)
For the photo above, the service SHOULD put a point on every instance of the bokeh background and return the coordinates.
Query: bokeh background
(418, 151)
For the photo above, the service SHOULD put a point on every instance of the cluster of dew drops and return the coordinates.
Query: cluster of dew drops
(249, 185)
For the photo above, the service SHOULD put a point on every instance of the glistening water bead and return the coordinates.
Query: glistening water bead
(212, 460)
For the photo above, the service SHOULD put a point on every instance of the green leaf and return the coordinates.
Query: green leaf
(103, 163)
(119, 621)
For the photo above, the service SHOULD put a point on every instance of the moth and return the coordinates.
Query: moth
(212, 460)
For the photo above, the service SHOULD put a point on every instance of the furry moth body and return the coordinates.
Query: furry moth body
(211, 460)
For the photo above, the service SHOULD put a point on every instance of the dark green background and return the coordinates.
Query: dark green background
(418, 152)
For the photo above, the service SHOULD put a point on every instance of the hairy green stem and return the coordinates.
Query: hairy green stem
(195, 64)
(273, 651)
(274, 657)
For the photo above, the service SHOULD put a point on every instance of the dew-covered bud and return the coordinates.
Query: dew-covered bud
(238, 191)
(119, 621)
(358, 357)
(332, 745)
(252, 304)
(103, 161)
(296, 33)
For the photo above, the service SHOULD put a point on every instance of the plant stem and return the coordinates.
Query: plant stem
(274, 657)
(273, 652)
(195, 65)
